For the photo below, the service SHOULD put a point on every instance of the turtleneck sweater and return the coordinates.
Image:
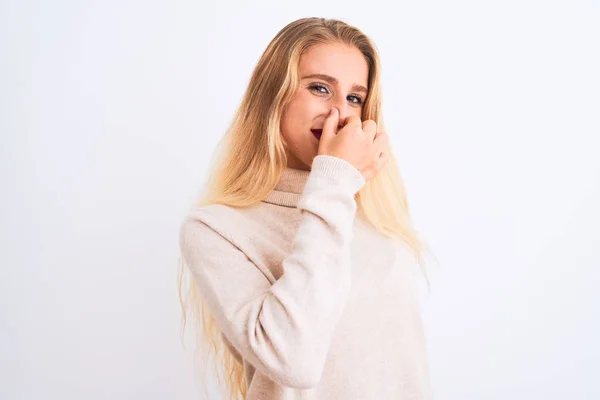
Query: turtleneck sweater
(311, 300)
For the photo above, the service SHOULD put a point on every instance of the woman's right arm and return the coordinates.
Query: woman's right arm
(284, 329)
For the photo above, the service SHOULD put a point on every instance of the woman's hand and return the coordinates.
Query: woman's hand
(357, 142)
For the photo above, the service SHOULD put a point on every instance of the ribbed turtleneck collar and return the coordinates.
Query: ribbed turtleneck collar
(289, 188)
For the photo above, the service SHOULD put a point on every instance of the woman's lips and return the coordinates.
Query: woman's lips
(317, 133)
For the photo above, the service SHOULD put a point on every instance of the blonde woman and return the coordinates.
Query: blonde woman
(300, 255)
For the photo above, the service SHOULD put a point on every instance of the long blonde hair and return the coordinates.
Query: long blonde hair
(251, 157)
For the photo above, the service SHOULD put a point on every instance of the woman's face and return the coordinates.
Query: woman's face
(330, 75)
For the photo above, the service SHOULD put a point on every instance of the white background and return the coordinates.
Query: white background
(110, 111)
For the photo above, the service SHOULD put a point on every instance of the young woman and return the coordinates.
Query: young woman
(301, 252)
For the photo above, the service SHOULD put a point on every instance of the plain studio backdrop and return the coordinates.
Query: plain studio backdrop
(110, 112)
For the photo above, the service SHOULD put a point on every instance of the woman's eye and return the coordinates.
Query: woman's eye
(318, 88)
(358, 99)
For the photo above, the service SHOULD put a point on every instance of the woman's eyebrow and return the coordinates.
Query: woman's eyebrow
(356, 87)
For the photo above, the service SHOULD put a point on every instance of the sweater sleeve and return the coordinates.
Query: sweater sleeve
(284, 329)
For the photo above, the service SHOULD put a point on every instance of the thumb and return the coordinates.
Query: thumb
(330, 125)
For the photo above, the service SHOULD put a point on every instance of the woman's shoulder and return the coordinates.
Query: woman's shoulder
(232, 223)
(209, 212)
(219, 218)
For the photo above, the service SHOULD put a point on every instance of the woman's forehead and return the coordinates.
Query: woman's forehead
(346, 64)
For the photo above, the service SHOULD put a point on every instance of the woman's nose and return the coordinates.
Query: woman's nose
(343, 110)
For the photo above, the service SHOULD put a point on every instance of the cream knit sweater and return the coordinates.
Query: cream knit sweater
(311, 300)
